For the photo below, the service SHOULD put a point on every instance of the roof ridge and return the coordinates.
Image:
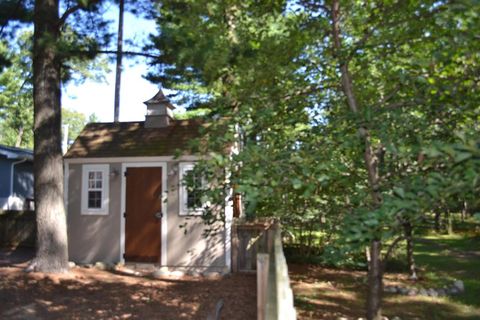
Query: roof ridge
(190, 120)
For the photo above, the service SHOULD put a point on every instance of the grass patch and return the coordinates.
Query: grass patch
(448, 257)
(327, 293)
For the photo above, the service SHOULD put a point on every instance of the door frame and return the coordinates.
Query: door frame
(163, 235)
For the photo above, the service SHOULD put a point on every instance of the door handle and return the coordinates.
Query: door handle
(158, 215)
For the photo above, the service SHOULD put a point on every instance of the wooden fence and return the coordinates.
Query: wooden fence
(257, 246)
(17, 228)
(249, 239)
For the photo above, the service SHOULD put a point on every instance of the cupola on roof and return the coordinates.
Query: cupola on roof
(159, 111)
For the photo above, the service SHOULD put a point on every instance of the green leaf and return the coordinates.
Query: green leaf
(296, 183)
(399, 192)
(371, 222)
(462, 156)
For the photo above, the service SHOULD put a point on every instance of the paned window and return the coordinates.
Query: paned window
(95, 189)
(191, 184)
(194, 189)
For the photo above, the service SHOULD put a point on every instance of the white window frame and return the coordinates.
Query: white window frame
(184, 168)
(105, 169)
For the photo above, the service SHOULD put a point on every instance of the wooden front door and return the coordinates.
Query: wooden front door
(143, 214)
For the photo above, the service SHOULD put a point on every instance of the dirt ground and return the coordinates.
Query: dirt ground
(331, 294)
(322, 293)
(94, 294)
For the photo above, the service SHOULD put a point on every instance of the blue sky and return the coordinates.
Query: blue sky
(92, 97)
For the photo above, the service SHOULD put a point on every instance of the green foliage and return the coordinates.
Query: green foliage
(75, 121)
(93, 118)
(17, 13)
(190, 114)
(16, 102)
(80, 61)
(16, 92)
(271, 80)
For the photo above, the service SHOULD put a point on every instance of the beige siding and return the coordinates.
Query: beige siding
(190, 248)
(93, 238)
(97, 238)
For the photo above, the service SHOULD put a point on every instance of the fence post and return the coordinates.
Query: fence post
(263, 264)
(271, 236)
(234, 248)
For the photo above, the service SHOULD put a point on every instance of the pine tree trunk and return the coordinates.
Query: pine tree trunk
(375, 287)
(118, 70)
(407, 228)
(52, 254)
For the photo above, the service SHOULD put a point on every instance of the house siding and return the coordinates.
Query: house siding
(187, 245)
(14, 199)
(5, 167)
(23, 180)
(93, 238)
(97, 237)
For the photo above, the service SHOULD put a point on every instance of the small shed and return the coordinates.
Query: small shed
(126, 200)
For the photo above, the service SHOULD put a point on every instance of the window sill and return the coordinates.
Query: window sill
(191, 213)
(94, 213)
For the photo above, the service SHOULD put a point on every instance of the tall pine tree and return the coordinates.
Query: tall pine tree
(52, 56)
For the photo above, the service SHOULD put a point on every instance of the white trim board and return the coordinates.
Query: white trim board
(133, 159)
(66, 175)
(164, 229)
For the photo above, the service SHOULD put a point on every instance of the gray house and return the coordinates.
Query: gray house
(126, 200)
(16, 178)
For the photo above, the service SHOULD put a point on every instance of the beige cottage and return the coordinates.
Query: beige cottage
(125, 197)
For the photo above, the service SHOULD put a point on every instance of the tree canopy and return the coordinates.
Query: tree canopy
(355, 117)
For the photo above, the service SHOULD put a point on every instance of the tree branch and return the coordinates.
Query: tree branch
(72, 10)
(15, 9)
(130, 53)
(304, 91)
(67, 13)
(403, 104)
(390, 95)
(391, 247)
(385, 12)
(314, 5)
(115, 52)
(345, 74)
(371, 161)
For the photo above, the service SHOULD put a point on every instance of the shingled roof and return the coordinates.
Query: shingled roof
(132, 139)
(160, 98)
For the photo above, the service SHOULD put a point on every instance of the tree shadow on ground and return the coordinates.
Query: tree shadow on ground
(427, 308)
(16, 255)
(323, 293)
(94, 294)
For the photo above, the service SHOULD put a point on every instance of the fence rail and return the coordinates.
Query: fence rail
(249, 239)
